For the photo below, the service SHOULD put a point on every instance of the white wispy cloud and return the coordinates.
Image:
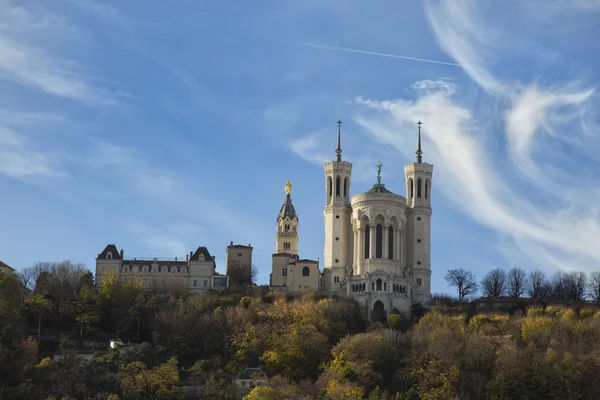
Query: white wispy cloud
(24, 60)
(309, 147)
(563, 234)
(20, 156)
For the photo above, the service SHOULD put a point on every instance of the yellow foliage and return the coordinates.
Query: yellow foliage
(535, 312)
(479, 320)
(569, 315)
(553, 310)
(45, 363)
(344, 391)
(587, 313)
(536, 328)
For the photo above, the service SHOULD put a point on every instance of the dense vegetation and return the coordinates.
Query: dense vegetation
(311, 346)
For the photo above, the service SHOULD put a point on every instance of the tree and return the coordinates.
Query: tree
(242, 275)
(161, 382)
(493, 283)
(39, 306)
(87, 309)
(594, 286)
(537, 284)
(464, 281)
(517, 282)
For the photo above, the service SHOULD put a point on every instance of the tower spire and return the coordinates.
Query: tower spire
(338, 151)
(419, 152)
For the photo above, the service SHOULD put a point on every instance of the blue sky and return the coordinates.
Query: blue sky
(161, 128)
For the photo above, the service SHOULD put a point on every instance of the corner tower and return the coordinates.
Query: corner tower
(337, 216)
(418, 215)
(287, 225)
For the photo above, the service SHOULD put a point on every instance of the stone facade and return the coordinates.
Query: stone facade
(377, 244)
(197, 273)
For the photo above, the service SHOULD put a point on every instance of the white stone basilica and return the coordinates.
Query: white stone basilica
(377, 244)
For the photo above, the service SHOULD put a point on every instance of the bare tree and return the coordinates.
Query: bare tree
(242, 275)
(594, 286)
(575, 284)
(493, 283)
(462, 280)
(537, 284)
(517, 282)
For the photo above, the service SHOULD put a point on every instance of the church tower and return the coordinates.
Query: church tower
(337, 216)
(287, 226)
(418, 215)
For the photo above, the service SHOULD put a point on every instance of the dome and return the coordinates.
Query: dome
(287, 209)
(378, 188)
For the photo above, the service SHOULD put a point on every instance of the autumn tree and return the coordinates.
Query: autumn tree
(517, 282)
(87, 309)
(493, 283)
(463, 281)
(159, 383)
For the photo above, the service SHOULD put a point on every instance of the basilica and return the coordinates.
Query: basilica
(377, 243)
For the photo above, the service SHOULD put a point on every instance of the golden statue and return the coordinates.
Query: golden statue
(288, 187)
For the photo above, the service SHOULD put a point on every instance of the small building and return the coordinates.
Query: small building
(249, 379)
(6, 269)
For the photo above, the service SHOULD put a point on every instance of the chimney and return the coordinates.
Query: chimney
(249, 245)
(231, 243)
(122, 253)
(187, 257)
(191, 253)
(175, 258)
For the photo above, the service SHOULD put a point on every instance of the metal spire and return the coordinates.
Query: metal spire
(338, 151)
(379, 164)
(419, 152)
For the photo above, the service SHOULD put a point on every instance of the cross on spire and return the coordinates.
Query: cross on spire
(338, 151)
(419, 152)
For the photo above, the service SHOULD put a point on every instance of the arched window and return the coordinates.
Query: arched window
(109, 255)
(391, 243)
(419, 188)
(345, 187)
(305, 271)
(379, 241)
(145, 269)
(367, 240)
(379, 282)
(426, 187)
(410, 183)
(329, 186)
(125, 269)
(337, 186)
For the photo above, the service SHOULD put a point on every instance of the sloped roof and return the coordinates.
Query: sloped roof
(112, 248)
(4, 265)
(201, 250)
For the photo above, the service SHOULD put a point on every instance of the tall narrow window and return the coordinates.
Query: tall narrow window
(329, 186)
(391, 243)
(345, 187)
(410, 183)
(419, 188)
(426, 187)
(367, 240)
(379, 241)
(379, 282)
(337, 186)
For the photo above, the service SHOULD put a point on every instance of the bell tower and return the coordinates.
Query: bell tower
(337, 216)
(418, 218)
(287, 225)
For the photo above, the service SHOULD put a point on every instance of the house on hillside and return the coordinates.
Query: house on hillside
(5, 268)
